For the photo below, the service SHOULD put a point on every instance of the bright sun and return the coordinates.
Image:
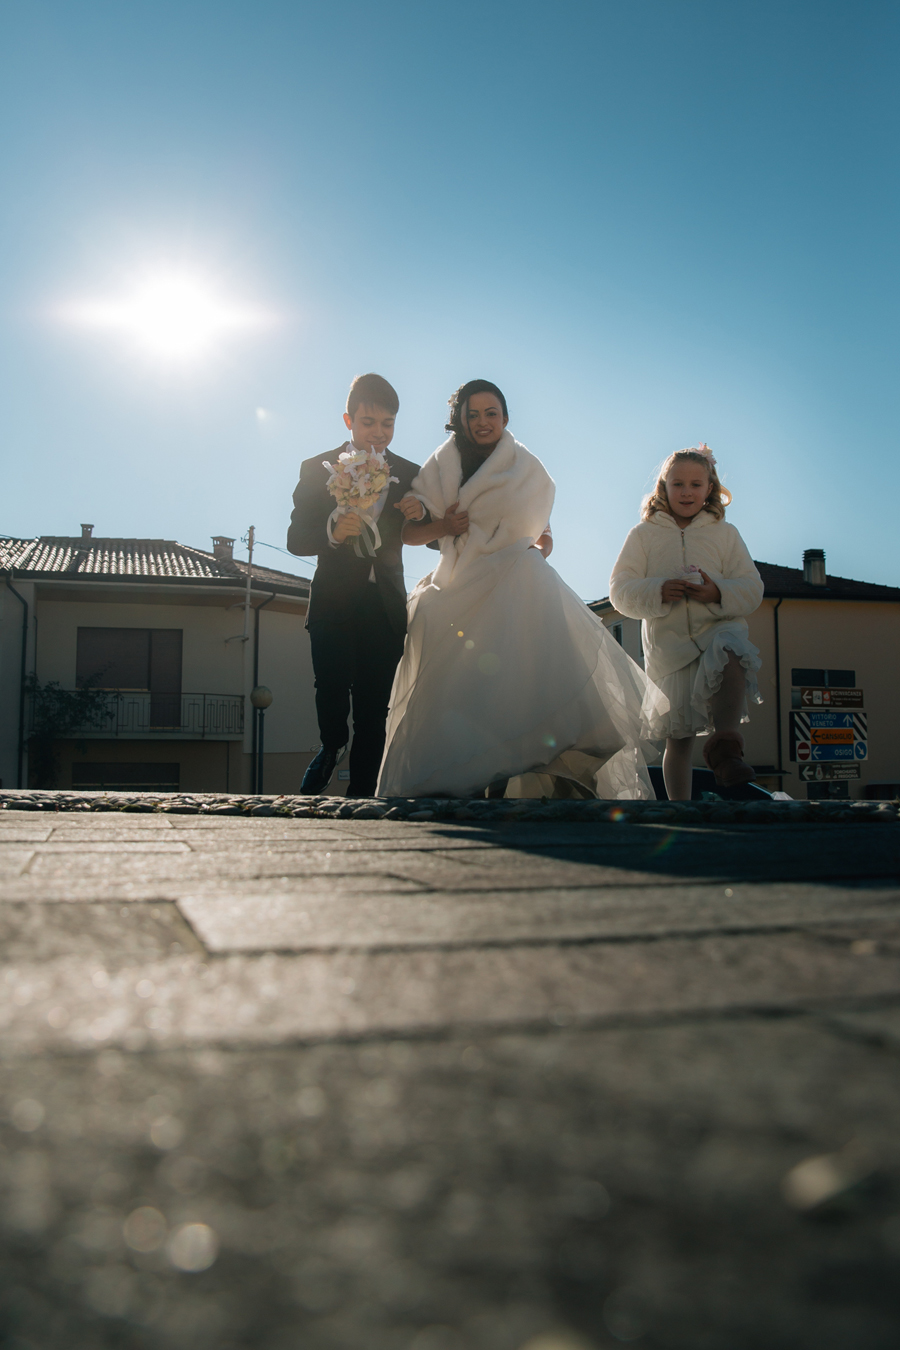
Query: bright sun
(173, 317)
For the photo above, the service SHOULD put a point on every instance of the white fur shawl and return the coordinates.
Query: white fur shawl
(509, 499)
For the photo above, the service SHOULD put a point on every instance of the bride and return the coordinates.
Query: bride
(506, 673)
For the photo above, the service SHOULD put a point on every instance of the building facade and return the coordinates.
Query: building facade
(828, 725)
(127, 664)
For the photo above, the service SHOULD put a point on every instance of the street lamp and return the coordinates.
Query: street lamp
(261, 698)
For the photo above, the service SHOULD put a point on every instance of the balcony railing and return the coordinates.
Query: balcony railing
(116, 713)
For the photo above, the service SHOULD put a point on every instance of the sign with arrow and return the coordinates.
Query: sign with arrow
(828, 773)
(805, 751)
(811, 696)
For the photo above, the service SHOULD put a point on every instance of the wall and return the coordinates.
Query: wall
(205, 766)
(209, 664)
(845, 634)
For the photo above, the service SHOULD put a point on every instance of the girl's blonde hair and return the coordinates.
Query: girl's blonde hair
(719, 496)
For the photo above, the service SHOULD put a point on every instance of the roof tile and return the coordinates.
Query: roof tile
(52, 555)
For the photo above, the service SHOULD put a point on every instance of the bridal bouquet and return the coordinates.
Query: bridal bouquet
(356, 483)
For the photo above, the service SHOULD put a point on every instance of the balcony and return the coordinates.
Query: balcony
(136, 715)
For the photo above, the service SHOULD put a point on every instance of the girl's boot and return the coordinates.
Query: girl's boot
(724, 753)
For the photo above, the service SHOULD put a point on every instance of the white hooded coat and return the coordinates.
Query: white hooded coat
(658, 550)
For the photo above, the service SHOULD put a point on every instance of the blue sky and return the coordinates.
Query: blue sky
(652, 222)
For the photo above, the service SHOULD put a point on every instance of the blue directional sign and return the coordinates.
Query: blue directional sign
(857, 722)
(819, 754)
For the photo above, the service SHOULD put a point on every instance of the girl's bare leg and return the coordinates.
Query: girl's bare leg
(678, 772)
(724, 750)
(728, 700)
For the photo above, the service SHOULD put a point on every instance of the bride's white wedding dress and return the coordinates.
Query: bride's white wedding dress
(506, 672)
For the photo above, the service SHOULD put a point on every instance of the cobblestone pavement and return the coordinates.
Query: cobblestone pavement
(286, 1081)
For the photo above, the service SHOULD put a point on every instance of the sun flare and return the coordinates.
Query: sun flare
(173, 317)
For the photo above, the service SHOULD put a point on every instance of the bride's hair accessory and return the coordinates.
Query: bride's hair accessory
(718, 498)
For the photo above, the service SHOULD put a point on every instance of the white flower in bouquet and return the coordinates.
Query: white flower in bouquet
(356, 483)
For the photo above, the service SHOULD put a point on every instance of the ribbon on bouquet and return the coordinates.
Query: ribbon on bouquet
(372, 545)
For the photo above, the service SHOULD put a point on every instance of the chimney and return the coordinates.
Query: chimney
(86, 532)
(223, 547)
(814, 566)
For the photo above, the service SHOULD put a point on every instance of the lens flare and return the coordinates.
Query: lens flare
(171, 316)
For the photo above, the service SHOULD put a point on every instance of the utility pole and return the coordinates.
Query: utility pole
(251, 534)
(244, 638)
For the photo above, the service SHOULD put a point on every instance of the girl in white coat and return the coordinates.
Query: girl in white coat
(688, 575)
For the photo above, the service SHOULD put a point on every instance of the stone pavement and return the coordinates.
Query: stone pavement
(286, 1081)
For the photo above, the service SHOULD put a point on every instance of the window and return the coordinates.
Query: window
(134, 660)
(617, 633)
(823, 679)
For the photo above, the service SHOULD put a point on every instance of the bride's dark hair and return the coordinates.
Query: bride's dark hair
(459, 400)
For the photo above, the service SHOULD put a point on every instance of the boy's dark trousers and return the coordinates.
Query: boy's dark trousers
(354, 657)
(357, 626)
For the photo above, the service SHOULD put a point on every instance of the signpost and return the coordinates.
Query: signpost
(820, 735)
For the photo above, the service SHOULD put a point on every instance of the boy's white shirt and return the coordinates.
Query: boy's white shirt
(658, 550)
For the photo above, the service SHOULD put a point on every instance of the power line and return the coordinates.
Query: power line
(311, 558)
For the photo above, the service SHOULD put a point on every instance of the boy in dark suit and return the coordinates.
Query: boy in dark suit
(357, 604)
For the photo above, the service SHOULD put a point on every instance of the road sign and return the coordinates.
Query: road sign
(858, 721)
(828, 773)
(816, 730)
(805, 752)
(812, 696)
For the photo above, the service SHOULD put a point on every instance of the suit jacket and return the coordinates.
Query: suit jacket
(341, 577)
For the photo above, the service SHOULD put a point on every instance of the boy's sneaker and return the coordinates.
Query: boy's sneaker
(320, 772)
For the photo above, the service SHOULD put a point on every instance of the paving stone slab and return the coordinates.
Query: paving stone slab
(248, 919)
(14, 860)
(107, 934)
(134, 879)
(23, 830)
(65, 848)
(878, 1026)
(271, 998)
(587, 1189)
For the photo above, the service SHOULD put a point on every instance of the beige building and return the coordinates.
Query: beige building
(828, 724)
(173, 641)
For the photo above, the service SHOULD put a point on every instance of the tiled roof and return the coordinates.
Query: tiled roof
(58, 556)
(788, 583)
